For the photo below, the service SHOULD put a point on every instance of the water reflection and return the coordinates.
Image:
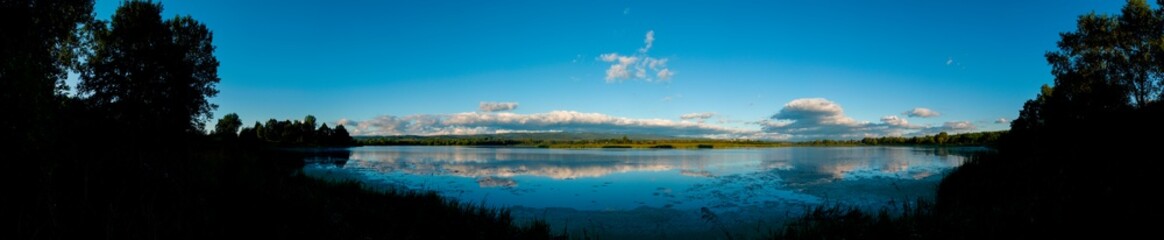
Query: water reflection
(509, 162)
(793, 165)
(630, 189)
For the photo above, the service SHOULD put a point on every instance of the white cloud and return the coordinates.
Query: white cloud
(922, 113)
(816, 109)
(819, 118)
(656, 64)
(950, 127)
(959, 125)
(665, 74)
(894, 120)
(798, 120)
(640, 62)
(564, 121)
(496, 106)
(949, 61)
(1002, 121)
(698, 116)
(609, 57)
(649, 41)
(347, 122)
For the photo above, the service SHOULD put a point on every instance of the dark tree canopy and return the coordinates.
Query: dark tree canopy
(39, 41)
(228, 125)
(152, 73)
(1109, 68)
(1111, 61)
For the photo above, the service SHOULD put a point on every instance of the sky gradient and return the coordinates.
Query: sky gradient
(782, 70)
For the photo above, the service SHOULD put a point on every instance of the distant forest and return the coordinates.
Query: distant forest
(286, 133)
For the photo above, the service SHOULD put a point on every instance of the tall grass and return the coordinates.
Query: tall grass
(914, 220)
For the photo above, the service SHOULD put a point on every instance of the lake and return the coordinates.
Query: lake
(657, 193)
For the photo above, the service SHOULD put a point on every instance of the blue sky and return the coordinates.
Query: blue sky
(789, 70)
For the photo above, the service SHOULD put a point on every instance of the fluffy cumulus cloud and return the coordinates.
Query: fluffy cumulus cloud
(496, 106)
(637, 66)
(1002, 121)
(819, 118)
(894, 120)
(555, 121)
(922, 113)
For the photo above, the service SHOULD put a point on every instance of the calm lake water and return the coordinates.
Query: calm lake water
(630, 193)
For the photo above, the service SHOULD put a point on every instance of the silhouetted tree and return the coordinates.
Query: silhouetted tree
(1110, 63)
(152, 74)
(228, 126)
(340, 136)
(39, 42)
(307, 130)
(324, 133)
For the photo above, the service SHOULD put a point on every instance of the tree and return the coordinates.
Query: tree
(1031, 116)
(309, 122)
(1109, 67)
(150, 74)
(308, 130)
(228, 126)
(340, 136)
(942, 138)
(324, 133)
(39, 42)
(1111, 61)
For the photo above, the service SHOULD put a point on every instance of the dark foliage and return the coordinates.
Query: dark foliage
(1079, 160)
(942, 138)
(39, 42)
(127, 158)
(289, 133)
(149, 74)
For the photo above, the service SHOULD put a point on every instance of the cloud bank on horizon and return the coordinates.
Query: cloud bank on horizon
(798, 120)
(819, 118)
(505, 122)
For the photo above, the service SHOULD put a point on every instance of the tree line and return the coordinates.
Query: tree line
(942, 138)
(282, 133)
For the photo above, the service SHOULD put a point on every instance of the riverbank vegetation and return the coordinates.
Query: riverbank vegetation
(127, 156)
